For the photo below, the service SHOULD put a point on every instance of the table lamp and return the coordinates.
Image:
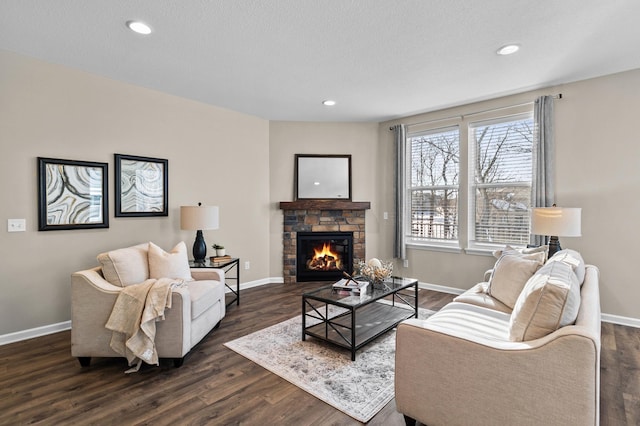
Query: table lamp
(198, 218)
(556, 222)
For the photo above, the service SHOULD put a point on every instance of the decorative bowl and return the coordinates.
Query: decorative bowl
(375, 271)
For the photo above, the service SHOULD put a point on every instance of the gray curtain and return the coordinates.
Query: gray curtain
(399, 245)
(543, 188)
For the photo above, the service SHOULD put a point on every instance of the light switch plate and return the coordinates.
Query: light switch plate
(16, 225)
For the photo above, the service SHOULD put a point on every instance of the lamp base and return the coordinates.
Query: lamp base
(554, 246)
(199, 248)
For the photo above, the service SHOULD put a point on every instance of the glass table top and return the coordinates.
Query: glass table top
(347, 297)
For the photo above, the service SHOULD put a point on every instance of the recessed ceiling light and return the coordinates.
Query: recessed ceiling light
(328, 102)
(139, 27)
(508, 49)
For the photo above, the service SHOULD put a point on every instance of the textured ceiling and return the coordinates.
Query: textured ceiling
(378, 59)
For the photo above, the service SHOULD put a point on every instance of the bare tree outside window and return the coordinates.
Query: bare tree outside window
(500, 159)
(435, 158)
(501, 193)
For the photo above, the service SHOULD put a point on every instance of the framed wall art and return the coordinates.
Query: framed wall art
(142, 186)
(72, 194)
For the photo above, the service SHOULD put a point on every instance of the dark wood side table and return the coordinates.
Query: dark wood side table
(226, 266)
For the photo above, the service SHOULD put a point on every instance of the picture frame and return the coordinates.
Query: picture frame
(72, 194)
(322, 177)
(141, 186)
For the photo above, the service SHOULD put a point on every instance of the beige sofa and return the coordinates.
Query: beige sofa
(197, 305)
(479, 362)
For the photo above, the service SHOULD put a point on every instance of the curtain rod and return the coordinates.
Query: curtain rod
(461, 116)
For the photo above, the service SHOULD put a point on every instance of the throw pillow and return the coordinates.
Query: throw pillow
(526, 250)
(573, 259)
(510, 274)
(174, 264)
(125, 266)
(549, 300)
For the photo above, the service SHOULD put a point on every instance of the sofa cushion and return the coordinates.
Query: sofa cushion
(510, 274)
(469, 322)
(204, 294)
(125, 266)
(573, 259)
(477, 295)
(174, 264)
(549, 300)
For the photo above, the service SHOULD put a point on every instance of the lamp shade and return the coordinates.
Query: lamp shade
(198, 217)
(556, 221)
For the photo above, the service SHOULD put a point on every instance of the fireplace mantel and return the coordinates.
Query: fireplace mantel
(325, 205)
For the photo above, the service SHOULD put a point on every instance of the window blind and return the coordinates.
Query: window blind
(433, 188)
(500, 162)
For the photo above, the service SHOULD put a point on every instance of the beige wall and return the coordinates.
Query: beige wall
(216, 156)
(368, 180)
(53, 111)
(598, 169)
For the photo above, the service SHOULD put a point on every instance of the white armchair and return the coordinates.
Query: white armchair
(197, 307)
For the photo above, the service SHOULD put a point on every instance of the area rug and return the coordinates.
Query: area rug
(358, 388)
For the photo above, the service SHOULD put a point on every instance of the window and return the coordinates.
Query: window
(434, 158)
(474, 196)
(500, 174)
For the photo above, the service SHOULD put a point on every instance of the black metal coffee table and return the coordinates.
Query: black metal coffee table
(353, 320)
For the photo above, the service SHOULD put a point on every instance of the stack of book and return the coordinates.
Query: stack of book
(218, 259)
(346, 284)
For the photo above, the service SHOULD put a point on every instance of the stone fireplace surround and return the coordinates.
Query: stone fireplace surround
(321, 216)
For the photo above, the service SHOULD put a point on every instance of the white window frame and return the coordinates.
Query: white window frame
(421, 242)
(475, 244)
(466, 239)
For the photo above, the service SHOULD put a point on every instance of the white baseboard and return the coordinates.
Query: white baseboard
(258, 283)
(18, 336)
(250, 284)
(617, 319)
(440, 288)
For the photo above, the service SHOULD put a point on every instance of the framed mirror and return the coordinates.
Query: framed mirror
(323, 177)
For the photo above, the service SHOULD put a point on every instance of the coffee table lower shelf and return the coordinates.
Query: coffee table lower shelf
(352, 329)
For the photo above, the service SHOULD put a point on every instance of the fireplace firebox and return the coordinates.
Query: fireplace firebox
(322, 256)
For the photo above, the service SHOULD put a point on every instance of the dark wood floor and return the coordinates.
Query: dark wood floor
(41, 384)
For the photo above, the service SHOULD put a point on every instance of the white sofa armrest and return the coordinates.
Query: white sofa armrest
(214, 274)
(487, 274)
(94, 278)
(92, 299)
(92, 302)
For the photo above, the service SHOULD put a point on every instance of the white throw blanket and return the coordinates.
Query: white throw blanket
(133, 319)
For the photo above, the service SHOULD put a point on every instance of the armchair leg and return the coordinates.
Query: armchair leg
(84, 361)
(409, 421)
(177, 362)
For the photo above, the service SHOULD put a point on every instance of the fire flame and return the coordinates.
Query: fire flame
(325, 259)
(325, 251)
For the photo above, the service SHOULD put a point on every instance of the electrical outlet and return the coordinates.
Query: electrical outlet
(405, 263)
(247, 265)
(16, 225)
(385, 215)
